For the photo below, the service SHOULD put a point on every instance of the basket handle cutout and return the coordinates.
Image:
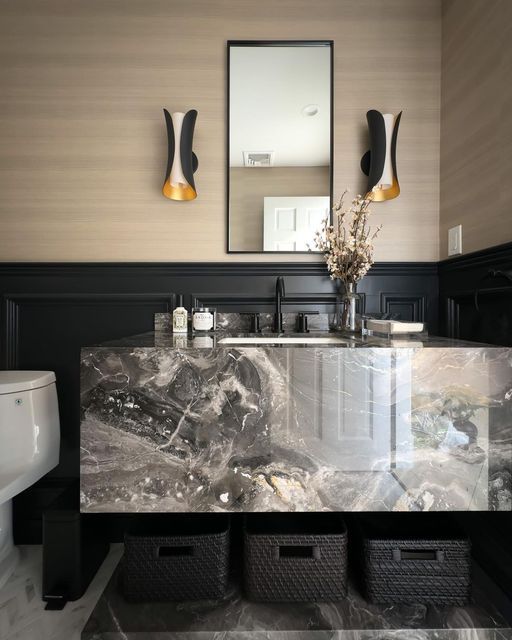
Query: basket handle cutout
(418, 554)
(174, 551)
(298, 551)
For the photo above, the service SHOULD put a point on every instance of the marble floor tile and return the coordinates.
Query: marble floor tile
(236, 618)
(22, 614)
(408, 634)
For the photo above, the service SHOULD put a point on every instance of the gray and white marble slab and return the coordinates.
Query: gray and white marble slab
(22, 609)
(242, 321)
(236, 618)
(183, 424)
(408, 634)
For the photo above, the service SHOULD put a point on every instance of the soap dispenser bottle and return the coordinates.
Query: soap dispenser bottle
(180, 317)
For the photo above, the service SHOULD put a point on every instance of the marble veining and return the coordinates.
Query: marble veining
(241, 321)
(377, 425)
(234, 617)
(22, 610)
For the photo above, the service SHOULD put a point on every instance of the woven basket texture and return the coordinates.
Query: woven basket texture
(444, 580)
(201, 573)
(269, 577)
(420, 589)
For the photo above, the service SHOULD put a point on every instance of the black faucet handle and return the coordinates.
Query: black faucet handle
(255, 321)
(302, 320)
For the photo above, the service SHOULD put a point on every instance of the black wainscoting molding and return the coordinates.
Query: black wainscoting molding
(48, 311)
(459, 280)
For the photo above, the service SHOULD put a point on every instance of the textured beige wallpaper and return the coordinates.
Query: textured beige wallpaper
(476, 127)
(82, 136)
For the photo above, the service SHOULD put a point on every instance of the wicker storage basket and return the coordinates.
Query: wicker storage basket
(432, 567)
(295, 558)
(191, 563)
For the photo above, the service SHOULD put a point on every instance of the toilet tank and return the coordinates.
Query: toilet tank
(29, 429)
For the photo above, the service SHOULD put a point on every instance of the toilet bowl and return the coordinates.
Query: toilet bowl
(29, 445)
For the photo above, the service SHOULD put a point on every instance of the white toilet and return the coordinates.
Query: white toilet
(29, 445)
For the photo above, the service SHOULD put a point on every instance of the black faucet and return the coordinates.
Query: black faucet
(278, 316)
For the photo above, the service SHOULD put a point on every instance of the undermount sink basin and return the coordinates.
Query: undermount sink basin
(251, 340)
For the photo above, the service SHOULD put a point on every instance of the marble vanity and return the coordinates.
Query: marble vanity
(234, 422)
(217, 423)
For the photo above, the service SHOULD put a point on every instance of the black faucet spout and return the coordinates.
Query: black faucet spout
(280, 294)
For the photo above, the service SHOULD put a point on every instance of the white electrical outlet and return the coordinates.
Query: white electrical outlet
(455, 240)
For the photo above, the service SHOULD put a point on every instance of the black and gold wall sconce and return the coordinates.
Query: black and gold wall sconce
(379, 163)
(182, 162)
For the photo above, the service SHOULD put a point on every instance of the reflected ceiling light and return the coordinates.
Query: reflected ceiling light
(181, 160)
(379, 163)
(310, 110)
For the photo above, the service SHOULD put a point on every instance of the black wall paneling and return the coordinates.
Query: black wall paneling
(49, 311)
(459, 280)
(404, 305)
(490, 321)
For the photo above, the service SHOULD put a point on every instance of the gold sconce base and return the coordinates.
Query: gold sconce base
(379, 195)
(178, 192)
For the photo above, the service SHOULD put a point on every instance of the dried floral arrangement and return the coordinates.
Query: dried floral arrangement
(347, 244)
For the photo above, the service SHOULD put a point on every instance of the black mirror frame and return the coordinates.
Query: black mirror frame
(279, 43)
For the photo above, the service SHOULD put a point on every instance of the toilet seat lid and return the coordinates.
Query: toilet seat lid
(16, 381)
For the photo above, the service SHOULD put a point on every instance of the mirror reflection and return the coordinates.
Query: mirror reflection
(279, 144)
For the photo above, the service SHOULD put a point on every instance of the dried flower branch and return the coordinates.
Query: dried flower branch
(347, 244)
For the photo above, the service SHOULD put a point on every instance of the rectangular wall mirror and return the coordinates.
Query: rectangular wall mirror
(280, 144)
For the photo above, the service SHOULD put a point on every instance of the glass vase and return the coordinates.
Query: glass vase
(348, 316)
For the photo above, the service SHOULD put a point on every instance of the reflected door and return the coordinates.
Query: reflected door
(350, 407)
(290, 223)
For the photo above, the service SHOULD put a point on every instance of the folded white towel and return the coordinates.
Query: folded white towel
(393, 326)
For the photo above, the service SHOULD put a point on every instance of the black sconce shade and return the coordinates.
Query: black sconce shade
(182, 162)
(379, 163)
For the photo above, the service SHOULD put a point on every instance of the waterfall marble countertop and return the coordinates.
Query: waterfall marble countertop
(176, 423)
